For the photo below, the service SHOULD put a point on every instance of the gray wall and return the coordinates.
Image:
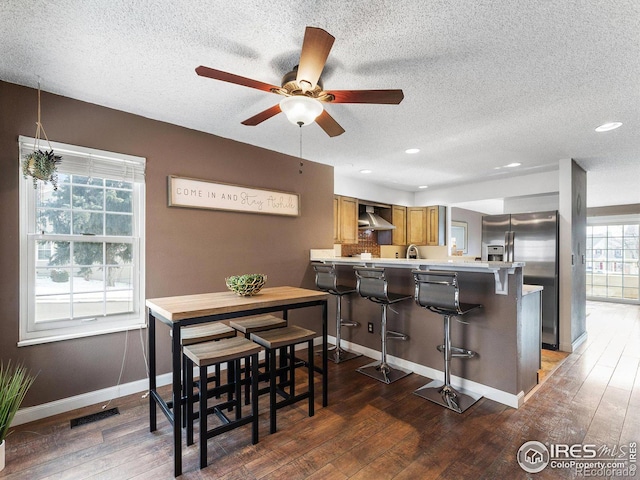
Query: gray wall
(474, 228)
(579, 247)
(573, 239)
(187, 251)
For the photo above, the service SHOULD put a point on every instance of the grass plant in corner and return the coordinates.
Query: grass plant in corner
(14, 383)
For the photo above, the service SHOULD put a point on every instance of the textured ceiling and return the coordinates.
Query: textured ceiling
(485, 83)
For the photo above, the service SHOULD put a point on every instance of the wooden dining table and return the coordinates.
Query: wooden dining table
(181, 311)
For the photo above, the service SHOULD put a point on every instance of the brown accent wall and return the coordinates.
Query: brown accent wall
(187, 250)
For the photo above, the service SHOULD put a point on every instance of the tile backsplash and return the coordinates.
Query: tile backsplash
(367, 242)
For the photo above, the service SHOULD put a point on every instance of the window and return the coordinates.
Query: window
(613, 261)
(82, 246)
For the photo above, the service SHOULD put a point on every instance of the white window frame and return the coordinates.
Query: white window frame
(100, 164)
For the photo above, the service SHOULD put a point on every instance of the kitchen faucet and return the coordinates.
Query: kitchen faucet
(412, 251)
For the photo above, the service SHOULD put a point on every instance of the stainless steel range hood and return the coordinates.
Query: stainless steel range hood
(370, 221)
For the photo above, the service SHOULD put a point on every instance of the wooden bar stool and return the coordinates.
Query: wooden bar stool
(372, 285)
(287, 337)
(439, 292)
(327, 280)
(249, 325)
(197, 334)
(203, 355)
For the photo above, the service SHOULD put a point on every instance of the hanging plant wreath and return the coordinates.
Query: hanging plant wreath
(41, 164)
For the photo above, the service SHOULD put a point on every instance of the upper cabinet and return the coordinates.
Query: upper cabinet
(345, 219)
(399, 219)
(426, 225)
(417, 225)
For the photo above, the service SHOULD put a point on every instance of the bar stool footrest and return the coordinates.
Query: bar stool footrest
(387, 374)
(457, 352)
(456, 399)
(344, 323)
(391, 335)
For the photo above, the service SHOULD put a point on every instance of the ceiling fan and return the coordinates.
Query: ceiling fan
(303, 90)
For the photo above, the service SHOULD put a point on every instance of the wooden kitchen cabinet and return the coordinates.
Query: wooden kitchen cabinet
(399, 219)
(417, 225)
(426, 225)
(345, 220)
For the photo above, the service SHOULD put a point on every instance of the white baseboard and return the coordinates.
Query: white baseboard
(508, 399)
(577, 342)
(30, 414)
(38, 412)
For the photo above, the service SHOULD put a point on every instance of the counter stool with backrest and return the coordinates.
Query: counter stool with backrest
(327, 280)
(439, 292)
(372, 284)
(203, 355)
(247, 326)
(286, 338)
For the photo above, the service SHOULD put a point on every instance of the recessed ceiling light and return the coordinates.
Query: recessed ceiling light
(365, 171)
(412, 150)
(605, 127)
(514, 164)
(423, 186)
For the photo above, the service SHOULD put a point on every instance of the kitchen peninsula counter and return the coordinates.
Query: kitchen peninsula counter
(500, 270)
(505, 368)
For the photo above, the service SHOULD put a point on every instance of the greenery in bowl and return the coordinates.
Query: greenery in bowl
(14, 383)
(42, 165)
(247, 284)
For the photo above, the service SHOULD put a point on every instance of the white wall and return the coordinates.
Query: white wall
(532, 203)
(532, 184)
(363, 190)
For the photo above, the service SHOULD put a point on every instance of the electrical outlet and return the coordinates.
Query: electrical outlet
(370, 327)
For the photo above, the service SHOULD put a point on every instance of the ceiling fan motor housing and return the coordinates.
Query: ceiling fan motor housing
(290, 86)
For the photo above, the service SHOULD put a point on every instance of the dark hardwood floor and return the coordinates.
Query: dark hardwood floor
(370, 430)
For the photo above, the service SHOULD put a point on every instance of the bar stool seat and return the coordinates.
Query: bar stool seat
(327, 280)
(439, 293)
(279, 338)
(249, 325)
(258, 323)
(205, 333)
(372, 284)
(203, 355)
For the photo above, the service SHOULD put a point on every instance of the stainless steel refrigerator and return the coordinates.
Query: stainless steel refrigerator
(535, 242)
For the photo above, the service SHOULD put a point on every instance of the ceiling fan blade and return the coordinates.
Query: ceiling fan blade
(391, 97)
(262, 116)
(231, 78)
(329, 125)
(315, 49)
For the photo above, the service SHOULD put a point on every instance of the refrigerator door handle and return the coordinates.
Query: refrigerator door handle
(509, 238)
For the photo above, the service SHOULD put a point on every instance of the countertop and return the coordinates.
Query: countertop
(500, 270)
(527, 289)
(449, 264)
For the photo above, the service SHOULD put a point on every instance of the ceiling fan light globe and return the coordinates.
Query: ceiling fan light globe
(301, 110)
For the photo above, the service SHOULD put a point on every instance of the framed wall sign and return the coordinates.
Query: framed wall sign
(192, 193)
